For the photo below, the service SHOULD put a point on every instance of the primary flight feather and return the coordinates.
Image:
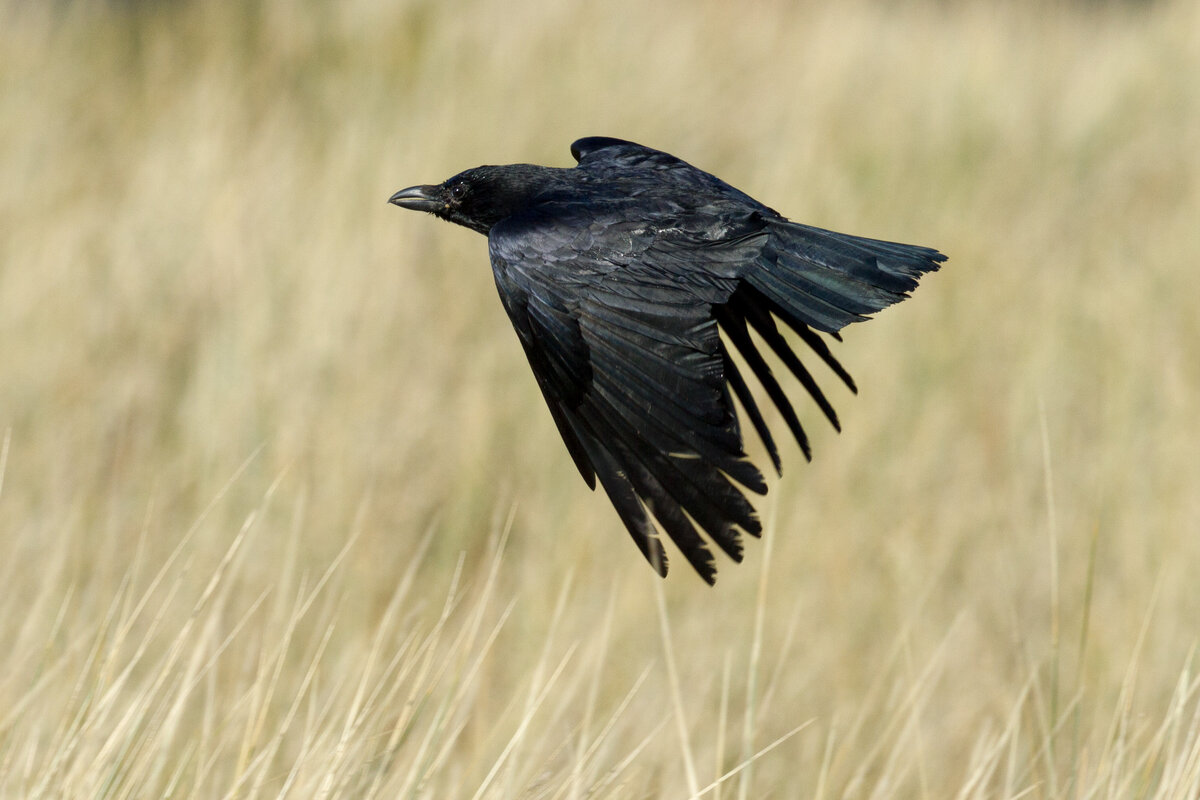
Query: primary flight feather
(619, 276)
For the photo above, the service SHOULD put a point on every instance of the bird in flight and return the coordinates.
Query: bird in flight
(620, 276)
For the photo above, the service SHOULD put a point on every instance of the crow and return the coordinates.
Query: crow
(620, 276)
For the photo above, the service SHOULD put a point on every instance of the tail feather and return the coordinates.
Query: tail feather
(828, 280)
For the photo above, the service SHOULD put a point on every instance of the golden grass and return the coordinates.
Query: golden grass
(282, 513)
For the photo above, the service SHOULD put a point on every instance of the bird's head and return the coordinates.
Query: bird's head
(479, 198)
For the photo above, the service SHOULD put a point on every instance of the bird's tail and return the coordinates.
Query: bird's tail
(828, 280)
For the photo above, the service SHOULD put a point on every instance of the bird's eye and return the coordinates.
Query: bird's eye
(458, 191)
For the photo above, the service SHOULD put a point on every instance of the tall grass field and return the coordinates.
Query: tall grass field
(282, 511)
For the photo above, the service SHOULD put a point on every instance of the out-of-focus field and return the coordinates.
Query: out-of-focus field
(282, 511)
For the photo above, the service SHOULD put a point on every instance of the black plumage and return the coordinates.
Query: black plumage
(620, 275)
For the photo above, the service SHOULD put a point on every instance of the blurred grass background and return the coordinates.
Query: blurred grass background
(264, 435)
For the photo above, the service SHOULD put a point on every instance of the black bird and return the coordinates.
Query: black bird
(619, 275)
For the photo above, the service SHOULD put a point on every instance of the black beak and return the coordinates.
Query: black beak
(418, 198)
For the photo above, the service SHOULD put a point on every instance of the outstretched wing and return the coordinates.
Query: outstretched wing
(629, 358)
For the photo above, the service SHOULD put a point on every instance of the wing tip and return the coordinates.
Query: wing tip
(581, 148)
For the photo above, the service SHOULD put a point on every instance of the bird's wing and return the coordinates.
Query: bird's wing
(628, 355)
(618, 151)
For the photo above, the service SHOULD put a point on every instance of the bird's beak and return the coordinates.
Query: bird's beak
(418, 198)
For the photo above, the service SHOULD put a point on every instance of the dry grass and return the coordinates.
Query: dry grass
(281, 511)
